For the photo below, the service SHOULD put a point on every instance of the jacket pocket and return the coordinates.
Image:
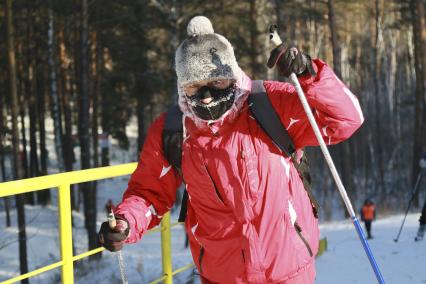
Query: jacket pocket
(300, 234)
(219, 196)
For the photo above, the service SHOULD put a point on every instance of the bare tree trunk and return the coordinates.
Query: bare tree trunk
(337, 62)
(89, 193)
(21, 81)
(141, 104)
(29, 196)
(259, 42)
(15, 142)
(6, 199)
(84, 89)
(66, 89)
(95, 90)
(24, 144)
(55, 105)
(254, 47)
(97, 61)
(32, 89)
(105, 131)
(43, 196)
(418, 29)
(2, 155)
(174, 43)
(343, 149)
(65, 100)
(379, 4)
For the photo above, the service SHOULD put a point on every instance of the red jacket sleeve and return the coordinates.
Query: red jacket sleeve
(151, 191)
(335, 108)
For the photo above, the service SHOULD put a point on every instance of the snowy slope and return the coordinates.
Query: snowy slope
(344, 262)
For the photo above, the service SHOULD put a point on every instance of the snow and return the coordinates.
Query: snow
(346, 261)
(343, 262)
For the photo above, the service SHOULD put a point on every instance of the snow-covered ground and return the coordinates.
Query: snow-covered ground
(343, 262)
(400, 262)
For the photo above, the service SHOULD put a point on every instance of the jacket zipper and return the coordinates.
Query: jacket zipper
(200, 259)
(214, 185)
(299, 233)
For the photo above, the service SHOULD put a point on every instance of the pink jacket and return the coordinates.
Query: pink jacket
(249, 217)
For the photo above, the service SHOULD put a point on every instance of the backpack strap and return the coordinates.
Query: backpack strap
(265, 114)
(173, 137)
(172, 147)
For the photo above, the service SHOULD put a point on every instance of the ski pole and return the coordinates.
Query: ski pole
(112, 223)
(275, 38)
(413, 194)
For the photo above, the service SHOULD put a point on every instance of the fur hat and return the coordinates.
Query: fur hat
(204, 54)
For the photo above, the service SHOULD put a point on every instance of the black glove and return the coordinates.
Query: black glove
(113, 239)
(290, 60)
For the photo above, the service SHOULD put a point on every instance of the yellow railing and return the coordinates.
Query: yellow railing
(62, 182)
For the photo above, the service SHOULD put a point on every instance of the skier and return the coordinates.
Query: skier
(249, 218)
(368, 214)
(422, 220)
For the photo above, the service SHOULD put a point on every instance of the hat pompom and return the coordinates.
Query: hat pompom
(199, 25)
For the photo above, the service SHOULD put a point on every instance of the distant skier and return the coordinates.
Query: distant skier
(422, 220)
(368, 214)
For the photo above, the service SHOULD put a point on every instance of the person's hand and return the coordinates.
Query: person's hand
(113, 239)
(290, 60)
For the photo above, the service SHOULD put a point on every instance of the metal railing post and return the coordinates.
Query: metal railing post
(65, 233)
(63, 182)
(166, 249)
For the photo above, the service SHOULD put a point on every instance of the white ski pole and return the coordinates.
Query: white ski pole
(275, 38)
(112, 223)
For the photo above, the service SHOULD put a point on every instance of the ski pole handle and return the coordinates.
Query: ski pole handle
(274, 36)
(112, 222)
